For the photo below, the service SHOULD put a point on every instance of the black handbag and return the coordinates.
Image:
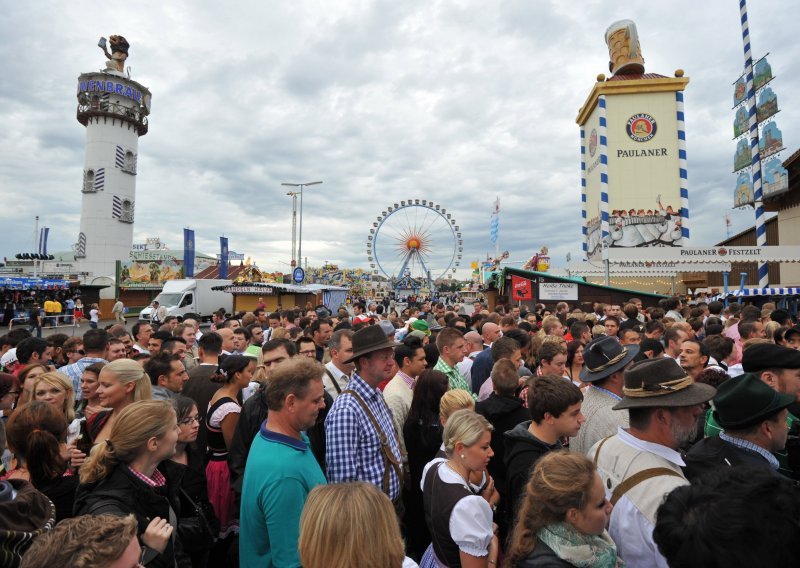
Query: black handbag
(200, 530)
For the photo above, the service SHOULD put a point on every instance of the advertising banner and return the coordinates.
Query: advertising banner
(521, 288)
(711, 254)
(188, 252)
(148, 274)
(223, 257)
(644, 185)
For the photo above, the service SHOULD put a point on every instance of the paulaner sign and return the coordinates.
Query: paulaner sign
(707, 254)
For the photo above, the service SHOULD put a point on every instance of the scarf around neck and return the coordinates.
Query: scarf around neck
(581, 550)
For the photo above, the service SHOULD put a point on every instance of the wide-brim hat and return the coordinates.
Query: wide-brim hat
(369, 339)
(746, 400)
(763, 356)
(604, 356)
(661, 383)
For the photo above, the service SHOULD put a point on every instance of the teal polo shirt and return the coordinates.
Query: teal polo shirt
(279, 474)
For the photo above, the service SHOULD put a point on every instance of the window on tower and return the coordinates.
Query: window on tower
(130, 163)
(127, 211)
(88, 181)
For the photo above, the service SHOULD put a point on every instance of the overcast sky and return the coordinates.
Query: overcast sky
(454, 102)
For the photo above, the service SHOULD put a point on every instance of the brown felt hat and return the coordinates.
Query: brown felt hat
(661, 383)
(369, 339)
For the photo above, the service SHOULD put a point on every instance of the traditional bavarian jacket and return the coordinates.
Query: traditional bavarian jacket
(634, 516)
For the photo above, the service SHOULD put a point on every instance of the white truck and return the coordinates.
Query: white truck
(191, 296)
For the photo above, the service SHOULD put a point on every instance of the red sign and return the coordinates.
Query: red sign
(521, 288)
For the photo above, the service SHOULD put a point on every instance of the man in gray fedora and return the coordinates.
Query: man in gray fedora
(640, 465)
(605, 360)
(361, 442)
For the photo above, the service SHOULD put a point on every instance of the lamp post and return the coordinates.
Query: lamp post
(300, 234)
(294, 195)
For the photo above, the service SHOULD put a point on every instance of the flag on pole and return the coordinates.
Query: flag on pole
(188, 253)
(223, 258)
(44, 232)
(494, 224)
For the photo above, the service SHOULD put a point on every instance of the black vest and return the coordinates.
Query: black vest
(440, 498)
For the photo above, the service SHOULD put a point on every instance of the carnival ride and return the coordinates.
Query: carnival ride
(414, 240)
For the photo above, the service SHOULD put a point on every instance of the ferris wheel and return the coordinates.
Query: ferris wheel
(416, 238)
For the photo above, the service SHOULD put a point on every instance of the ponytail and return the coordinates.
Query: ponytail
(35, 433)
(135, 424)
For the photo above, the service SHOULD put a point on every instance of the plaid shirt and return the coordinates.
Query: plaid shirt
(457, 380)
(75, 370)
(750, 446)
(157, 480)
(353, 447)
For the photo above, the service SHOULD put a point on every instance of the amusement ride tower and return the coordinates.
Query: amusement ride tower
(114, 110)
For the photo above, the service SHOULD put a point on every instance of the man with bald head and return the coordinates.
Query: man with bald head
(483, 362)
(473, 346)
(226, 333)
(490, 333)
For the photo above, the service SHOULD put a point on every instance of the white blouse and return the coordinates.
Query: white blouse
(471, 519)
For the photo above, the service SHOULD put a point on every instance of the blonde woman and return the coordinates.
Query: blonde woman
(56, 390)
(131, 473)
(452, 401)
(563, 517)
(459, 517)
(327, 538)
(122, 382)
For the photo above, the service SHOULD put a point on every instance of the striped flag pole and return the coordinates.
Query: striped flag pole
(758, 205)
(682, 169)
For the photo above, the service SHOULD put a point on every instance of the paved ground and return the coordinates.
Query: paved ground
(78, 331)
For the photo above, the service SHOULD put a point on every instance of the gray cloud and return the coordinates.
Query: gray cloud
(455, 103)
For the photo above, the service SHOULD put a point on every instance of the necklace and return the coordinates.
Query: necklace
(465, 480)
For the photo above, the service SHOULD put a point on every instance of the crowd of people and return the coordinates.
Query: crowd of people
(594, 436)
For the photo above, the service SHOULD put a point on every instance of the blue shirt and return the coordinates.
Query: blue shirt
(353, 447)
(280, 473)
(75, 370)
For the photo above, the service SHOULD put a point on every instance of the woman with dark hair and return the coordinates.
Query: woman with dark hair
(422, 433)
(37, 434)
(9, 394)
(26, 377)
(197, 525)
(235, 373)
(575, 362)
(562, 517)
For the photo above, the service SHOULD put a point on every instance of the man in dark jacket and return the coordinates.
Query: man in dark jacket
(554, 404)
(504, 411)
(753, 420)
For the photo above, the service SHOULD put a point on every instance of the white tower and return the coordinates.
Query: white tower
(114, 110)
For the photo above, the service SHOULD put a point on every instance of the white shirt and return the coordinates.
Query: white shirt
(471, 518)
(341, 380)
(628, 527)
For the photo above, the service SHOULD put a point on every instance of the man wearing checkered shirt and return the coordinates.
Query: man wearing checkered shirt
(361, 443)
